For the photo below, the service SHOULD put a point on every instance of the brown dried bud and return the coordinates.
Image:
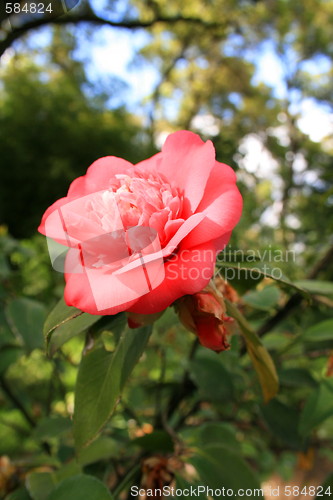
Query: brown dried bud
(204, 314)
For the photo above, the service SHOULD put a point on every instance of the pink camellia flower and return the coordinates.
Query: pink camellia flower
(138, 237)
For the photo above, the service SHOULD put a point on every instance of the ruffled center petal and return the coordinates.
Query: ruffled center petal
(138, 199)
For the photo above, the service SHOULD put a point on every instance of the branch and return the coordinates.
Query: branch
(90, 17)
(186, 386)
(297, 298)
(164, 76)
(133, 474)
(158, 401)
(16, 402)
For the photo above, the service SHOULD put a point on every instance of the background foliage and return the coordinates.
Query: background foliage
(186, 415)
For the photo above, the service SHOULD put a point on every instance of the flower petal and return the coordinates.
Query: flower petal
(53, 228)
(99, 176)
(150, 165)
(185, 229)
(187, 162)
(221, 204)
(212, 333)
(78, 294)
(186, 273)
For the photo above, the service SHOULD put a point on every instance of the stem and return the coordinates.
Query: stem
(131, 413)
(186, 386)
(297, 298)
(185, 416)
(158, 401)
(131, 474)
(16, 402)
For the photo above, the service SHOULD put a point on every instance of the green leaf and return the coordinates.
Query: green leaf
(65, 322)
(101, 449)
(4, 267)
(297, 377)
(60, 314)
(20, 494)
(51, 427)
(213, 433)
(265, 299)
(184, 485)
(239, 278)
(318, 407)
(219, 466)
(38, 459)
(6, 335)
(320, 332)
(316, 286)
(40, 484)
(168, 319)
(158, 441)
(69, 330)
(8, 355)
(259, 270)
(283, 422)
(26, 318)
(219, 433)
(101, 378)
(260, 357)
(111, 328)
(212, 379)
(80, 487)
(66, 471)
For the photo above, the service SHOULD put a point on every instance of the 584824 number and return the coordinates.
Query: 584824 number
(28, 8)
(312, 491)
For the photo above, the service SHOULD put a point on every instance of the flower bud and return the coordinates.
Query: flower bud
(204, 314)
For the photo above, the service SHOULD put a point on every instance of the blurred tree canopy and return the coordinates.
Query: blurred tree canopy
(54, 126)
